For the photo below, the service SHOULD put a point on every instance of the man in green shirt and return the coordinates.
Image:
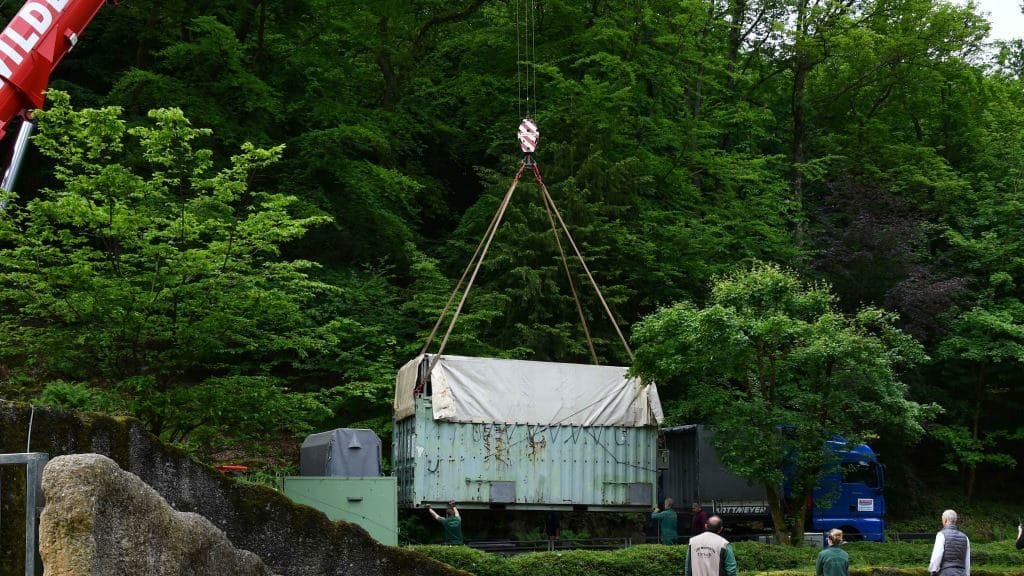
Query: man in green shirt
(452, 523)
(667, 522)
(833, 561)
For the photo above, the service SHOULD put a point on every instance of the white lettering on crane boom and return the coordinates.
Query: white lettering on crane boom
(39, 16)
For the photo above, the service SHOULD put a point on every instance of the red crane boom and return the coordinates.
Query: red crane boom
(31, 46)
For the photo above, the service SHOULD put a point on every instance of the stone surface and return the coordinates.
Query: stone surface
(101, 520)
(291, 539)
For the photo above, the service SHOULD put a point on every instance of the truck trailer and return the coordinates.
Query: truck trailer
(849, 497)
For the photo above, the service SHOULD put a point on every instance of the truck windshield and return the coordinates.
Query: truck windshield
(861, 472)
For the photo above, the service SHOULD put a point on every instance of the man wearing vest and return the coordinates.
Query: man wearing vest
(709, 554)
(951, 555)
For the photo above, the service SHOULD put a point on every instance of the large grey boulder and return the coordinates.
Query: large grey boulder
(99, 519)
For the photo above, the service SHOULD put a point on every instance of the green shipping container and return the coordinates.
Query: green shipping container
(523, 467)
(524, 435)
(368, 502)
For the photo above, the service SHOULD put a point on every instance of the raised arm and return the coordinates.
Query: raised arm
(435, 515)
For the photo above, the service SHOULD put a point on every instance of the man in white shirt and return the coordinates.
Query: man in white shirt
(951, 555)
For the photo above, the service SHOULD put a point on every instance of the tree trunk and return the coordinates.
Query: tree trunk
(979, 397)
(799, 518)
(738, 16)
(261, 31)
(697, 93)
(802, 66)
(390, 97)
(798, 134)
(778, 518)
(247, 18)
(152, 21)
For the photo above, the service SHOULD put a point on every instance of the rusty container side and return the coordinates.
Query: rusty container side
(523, 466)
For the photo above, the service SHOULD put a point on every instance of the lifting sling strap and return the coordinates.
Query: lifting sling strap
(481, 252)
(528, 136)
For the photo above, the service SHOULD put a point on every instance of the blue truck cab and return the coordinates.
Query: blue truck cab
(850, 496)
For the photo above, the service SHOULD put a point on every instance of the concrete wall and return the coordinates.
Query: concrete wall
(293, 540)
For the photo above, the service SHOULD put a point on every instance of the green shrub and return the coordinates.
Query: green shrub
(866, 559)
(853, 572)
(465, 558)
(648, 560)
(757, 556)
(876, 571)
(917, 554)
(889, 572)
(997, 554)
(889, 553)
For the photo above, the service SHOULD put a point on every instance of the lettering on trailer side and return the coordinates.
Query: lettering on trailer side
(39, 17)
(745, 509)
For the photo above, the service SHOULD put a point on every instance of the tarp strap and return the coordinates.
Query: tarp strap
(485, 242)
(489, 233)
(481, 252)
(607, 310)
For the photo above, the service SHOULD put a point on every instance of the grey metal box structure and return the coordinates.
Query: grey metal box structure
(348, 452)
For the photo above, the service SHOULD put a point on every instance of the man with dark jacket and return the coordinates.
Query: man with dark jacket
(951, 555)
(699, 519)
(709, 554)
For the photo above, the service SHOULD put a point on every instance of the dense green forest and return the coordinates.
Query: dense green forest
(255, 258)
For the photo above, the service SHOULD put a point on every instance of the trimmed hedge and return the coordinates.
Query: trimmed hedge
(892, 572)
(866, 559)
(757, 557)
(917, 554)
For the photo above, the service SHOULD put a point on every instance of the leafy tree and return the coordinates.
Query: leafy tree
(207, 77)
(773, 366)
(981, 355)
(988, 341)
(153, 283)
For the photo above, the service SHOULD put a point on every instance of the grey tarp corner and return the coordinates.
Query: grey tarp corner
(467, 389)
(350, 452)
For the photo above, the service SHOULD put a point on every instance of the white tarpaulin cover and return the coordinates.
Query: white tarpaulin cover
(469, 389)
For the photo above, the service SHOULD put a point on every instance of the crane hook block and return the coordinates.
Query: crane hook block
(529, 134)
